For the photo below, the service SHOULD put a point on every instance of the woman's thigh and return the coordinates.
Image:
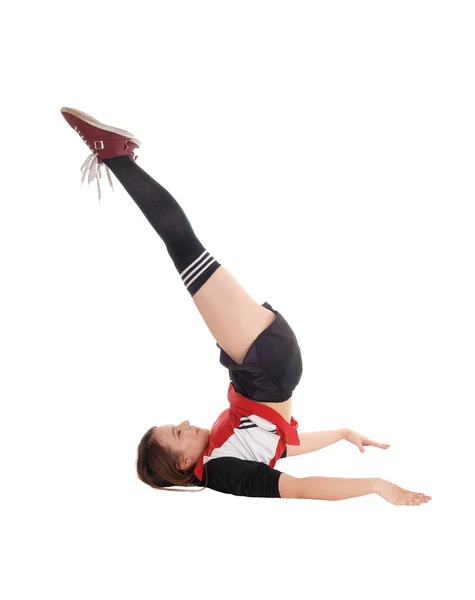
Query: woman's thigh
(233, 317)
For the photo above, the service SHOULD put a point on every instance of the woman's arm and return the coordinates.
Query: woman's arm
(315, 440)
(326, 488)
(341, 488)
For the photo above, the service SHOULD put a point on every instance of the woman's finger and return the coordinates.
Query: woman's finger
(378, 445)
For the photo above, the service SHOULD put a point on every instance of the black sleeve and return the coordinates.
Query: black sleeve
(231, 475)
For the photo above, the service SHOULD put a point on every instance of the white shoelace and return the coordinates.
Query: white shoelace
(91, 166)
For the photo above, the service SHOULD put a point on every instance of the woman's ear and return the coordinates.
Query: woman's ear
(184, 464)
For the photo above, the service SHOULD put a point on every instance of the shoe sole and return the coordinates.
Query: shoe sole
(95, 123)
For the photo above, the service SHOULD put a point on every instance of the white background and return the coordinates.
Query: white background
(323, 152)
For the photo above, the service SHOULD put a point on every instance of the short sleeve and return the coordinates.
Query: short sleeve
(239, 477)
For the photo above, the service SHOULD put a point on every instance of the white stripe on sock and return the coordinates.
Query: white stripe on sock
(198, 266)
(202, 270)
(193, 263)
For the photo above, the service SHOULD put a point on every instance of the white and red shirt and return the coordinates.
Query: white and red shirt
(246, 441)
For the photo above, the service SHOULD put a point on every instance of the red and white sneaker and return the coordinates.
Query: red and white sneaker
(103, 140)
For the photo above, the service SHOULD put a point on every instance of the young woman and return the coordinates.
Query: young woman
(257, 346)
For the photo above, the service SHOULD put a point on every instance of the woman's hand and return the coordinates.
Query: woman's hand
(360, 440)
(397, 495)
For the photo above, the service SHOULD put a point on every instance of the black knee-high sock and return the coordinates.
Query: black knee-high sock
(192, 261)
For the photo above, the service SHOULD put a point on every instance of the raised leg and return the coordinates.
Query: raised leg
(232, 316)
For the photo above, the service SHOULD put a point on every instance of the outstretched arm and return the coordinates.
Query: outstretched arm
(342, 488)
(326, 488)
(315, 440)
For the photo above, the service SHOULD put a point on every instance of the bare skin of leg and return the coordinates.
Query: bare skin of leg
(235, 319)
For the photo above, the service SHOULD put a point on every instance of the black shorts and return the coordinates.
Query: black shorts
(272, 366)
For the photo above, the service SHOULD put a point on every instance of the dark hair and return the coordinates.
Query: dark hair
(156, 466)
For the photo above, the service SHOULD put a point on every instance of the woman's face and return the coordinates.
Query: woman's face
(186, 440)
